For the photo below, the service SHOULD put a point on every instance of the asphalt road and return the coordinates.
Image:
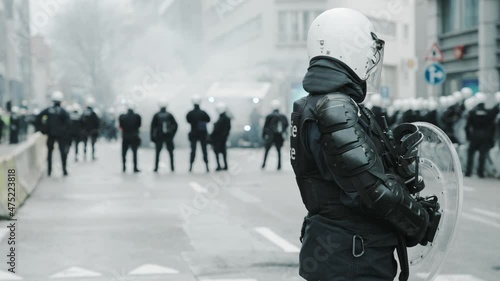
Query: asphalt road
(100, 224)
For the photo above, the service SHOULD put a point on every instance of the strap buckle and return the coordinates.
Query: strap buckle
(354, 238)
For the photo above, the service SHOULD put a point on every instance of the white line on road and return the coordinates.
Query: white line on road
(457, 278)
(9, 276)
(277, 240)
(76, 272)
(481, 220)
(486, 213)
(228, 280)
(197, 187)
(244, 196)
(152, 269)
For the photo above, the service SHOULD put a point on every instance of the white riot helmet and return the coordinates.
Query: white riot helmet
(275, 104)
(77, 107)
(221, 107)
(15, 109)
(480, 98)
(458, 96)
(451, 100)
(196, 99)
(348, 36)
(432, 104)
(57, 96)
(443, 101)
(470, 103)
(163, 102)
(90, 101)
(397, 104)
(466, 92)
(376, 100)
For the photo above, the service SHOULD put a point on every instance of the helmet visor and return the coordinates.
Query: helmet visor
(376, 66)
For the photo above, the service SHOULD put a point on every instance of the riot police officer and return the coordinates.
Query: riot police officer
(130, 123)
(14, 125)
(90, 127)
(75, 129)
(198, 119)
(274, 130)
(480, 132)
(220, 134)
(54, 122)
(358, 213)
(163, 129)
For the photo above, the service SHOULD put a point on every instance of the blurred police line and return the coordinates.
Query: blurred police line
(471, 121)
(22, 164)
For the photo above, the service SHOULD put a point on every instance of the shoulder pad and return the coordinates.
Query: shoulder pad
(335, 112)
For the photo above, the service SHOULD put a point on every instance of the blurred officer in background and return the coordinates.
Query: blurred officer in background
(198, 119)
(14, 125)
(75, 129)
(274, 132)
(480, 132)
(451, 115)
(109, 124)
(90, 127)
(54, 122)
(220, 135)
(163, 129)
(130, 123)
(2, 124)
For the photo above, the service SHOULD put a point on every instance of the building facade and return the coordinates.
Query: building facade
(266, 41)
(15, 52)
(468, 33)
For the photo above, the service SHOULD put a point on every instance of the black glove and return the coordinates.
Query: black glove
(431, 205)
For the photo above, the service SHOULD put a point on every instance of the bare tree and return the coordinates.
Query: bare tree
(86, 38)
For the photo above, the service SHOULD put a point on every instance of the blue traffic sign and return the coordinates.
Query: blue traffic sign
(435, 74)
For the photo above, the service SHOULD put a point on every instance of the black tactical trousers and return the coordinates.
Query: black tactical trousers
(62, 143)
(93, 140)
(276, 140)
(483, 149)
(203, 143)
(347, 250)
(170, 148)
(134, 145)
(220, 148)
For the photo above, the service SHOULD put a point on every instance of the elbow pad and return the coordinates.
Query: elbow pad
(392, 202)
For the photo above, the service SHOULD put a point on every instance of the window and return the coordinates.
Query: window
(471, 13)
(448, 13)
(293, 26)
(406, 31)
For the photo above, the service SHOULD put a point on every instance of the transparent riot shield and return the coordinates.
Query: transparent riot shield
(440, 167)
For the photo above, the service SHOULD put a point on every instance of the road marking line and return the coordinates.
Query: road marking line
(487, 213)
(457, 278)
(76, 272)
(197, 187)
(152, 269)
(468, 188)
(277, 240)
(9, 276)
(482, 220)
(244, 196)
(228, 280)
